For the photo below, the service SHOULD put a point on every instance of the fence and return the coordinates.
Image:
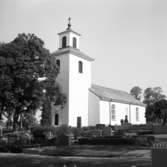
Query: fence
(156, 129)
(134, 127)
(159, 155)
(160, 129)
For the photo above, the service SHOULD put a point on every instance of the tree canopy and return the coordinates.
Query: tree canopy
(157, 112)
(27, 78)
(156, 103)
(136, 91)
(152, 95)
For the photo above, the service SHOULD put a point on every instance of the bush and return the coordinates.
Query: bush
(107, 140)
(20, 137)
(49, 135)
(63, 130)
(64, 135)
(43, 133)
(100, 126)
(77, 132)
(16, 148)
(3, 148)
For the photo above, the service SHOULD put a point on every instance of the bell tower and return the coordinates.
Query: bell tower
(74, 79)
(69, 38)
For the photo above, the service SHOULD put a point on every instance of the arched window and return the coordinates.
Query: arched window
(80, 67)
(113, 115)
(74, 42)
(79, 123)
(64, 42)
(56, 119)
(137, 114)
(58, 64)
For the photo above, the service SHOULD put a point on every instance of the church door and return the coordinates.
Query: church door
(56, 119)
(79, 122)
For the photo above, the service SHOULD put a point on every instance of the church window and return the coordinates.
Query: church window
(58, 64)
(80, 67)
(64, 42)
(74, 42)
(56, 119)
(79, 122)
(113, 112)
(137, 114)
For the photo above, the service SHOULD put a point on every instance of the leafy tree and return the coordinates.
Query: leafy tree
(23, 62)
(136, 91)
(155, 102)
(152, 95)
(157, 112)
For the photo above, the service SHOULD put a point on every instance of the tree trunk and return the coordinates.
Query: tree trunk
(15, 122)
(46, 113)
(164, 121)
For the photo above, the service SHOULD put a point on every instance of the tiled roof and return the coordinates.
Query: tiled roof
(108, 94)
(73, 51)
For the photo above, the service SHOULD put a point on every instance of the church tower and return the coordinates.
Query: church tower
(74, 79)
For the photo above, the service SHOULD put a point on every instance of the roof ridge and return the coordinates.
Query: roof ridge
(74, 51)
(110, 94)
(110, 88)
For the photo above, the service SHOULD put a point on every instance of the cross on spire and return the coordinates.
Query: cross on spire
(69, 23)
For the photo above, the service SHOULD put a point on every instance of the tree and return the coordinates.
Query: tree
(152, 95)
(157, 112)
(22, 63)
(136, 91)
(155, 102)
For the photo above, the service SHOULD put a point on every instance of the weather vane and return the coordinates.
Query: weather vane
(69, 22)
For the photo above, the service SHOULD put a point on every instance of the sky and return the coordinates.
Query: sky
(127, 38)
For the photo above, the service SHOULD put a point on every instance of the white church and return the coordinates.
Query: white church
(88, 104)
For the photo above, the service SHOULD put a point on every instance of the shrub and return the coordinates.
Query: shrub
(100, 126)
(77, 132)
(64, 135)
(43, 133)
(3, 148)
(16, 148)
(63, 130)
(20, 137)
(107, 140)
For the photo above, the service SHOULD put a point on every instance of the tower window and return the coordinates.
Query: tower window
(80, 67)
(58, 64)
(113, 112)
(137, 114)
(56, 119)
(74, 42)
(64, 42)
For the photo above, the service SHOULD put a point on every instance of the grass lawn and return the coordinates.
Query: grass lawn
(27, 160)
(92, 151)
(80, 155)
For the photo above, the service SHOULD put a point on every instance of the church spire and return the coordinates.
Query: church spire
(69, 23)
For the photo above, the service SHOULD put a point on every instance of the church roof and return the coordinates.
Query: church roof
(74, 51)
(108, 94)
(69, 30)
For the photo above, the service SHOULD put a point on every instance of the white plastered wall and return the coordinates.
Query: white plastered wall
(63, 80)
(94, 109)
(79, 84)
(121, 110)
(141, 111)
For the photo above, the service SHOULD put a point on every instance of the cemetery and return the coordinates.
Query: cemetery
(138, 142)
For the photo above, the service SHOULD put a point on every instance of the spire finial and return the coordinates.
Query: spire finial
(69, 23)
